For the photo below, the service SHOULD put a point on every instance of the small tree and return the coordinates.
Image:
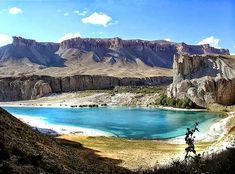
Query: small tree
(189, 140)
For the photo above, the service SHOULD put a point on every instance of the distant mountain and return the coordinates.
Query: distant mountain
(91, 56)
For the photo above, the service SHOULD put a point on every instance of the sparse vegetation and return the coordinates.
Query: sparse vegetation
(178, 103)
(124, 89)
(139, 89)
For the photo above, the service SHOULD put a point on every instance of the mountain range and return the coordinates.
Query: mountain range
(91, 56)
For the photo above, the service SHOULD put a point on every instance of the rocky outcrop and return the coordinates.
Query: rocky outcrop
(32, 87)
(204, 79)
(40, 89)
(152, 53)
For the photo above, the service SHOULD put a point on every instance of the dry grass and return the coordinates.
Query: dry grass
(134, 154)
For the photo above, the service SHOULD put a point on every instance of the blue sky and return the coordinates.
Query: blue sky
(190, 21)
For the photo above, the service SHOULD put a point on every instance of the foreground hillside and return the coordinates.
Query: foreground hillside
(23, 150)
(79, 56)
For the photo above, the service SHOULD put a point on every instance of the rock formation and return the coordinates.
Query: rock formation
(152, 53)
(40, 89)
(83, 63)
(32, 87)
(204, 79)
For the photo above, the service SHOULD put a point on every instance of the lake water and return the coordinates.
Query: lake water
(134, 123)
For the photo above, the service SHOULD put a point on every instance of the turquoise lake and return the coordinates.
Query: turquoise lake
(133, 123)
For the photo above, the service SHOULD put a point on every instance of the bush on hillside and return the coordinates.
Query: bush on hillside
(163, 100)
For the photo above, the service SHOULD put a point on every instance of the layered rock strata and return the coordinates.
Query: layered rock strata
(32, 87)
(157, 53)
(204, 79)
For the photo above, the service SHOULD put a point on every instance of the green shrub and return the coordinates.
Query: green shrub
(178, 103)
(170, 102)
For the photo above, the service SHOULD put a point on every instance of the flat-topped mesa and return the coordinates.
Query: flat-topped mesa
(204, 79)
(200, 49)
(91, 43)
(156, 46)
(19, 41)
(157, 53)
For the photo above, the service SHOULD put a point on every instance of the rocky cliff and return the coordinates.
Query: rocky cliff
(32, 87)
(152, 53)
(204, 79)
(36, 52)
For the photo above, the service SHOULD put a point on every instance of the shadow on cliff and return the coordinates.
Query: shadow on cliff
(206, 68)
(45, 56)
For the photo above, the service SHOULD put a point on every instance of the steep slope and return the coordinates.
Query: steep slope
(152, 53)
(113, 57)
(204, 79)
(26, 151)
(35, 52)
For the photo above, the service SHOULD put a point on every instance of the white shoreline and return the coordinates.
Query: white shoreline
(180, 109)
(52, 129)
(44, 105)
(216, 131)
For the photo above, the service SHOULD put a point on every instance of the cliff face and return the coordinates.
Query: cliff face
(32, 87)
(151, 53)
(204, 79)
(36, 52)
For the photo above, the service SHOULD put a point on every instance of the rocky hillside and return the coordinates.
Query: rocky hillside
(113, 57)
(32, 87)
(152, 53)
(26, 151)
(204, 79)
(35, 52)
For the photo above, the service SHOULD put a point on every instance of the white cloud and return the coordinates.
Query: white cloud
(80, 13)
(167, 39)
(234, 46)
(210, 40)
(98, 19)
(69, 36)
(113, 23)
(66, 14)
(15, 10)
(5, 39)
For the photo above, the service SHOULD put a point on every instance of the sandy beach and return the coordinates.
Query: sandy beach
(53, 129)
